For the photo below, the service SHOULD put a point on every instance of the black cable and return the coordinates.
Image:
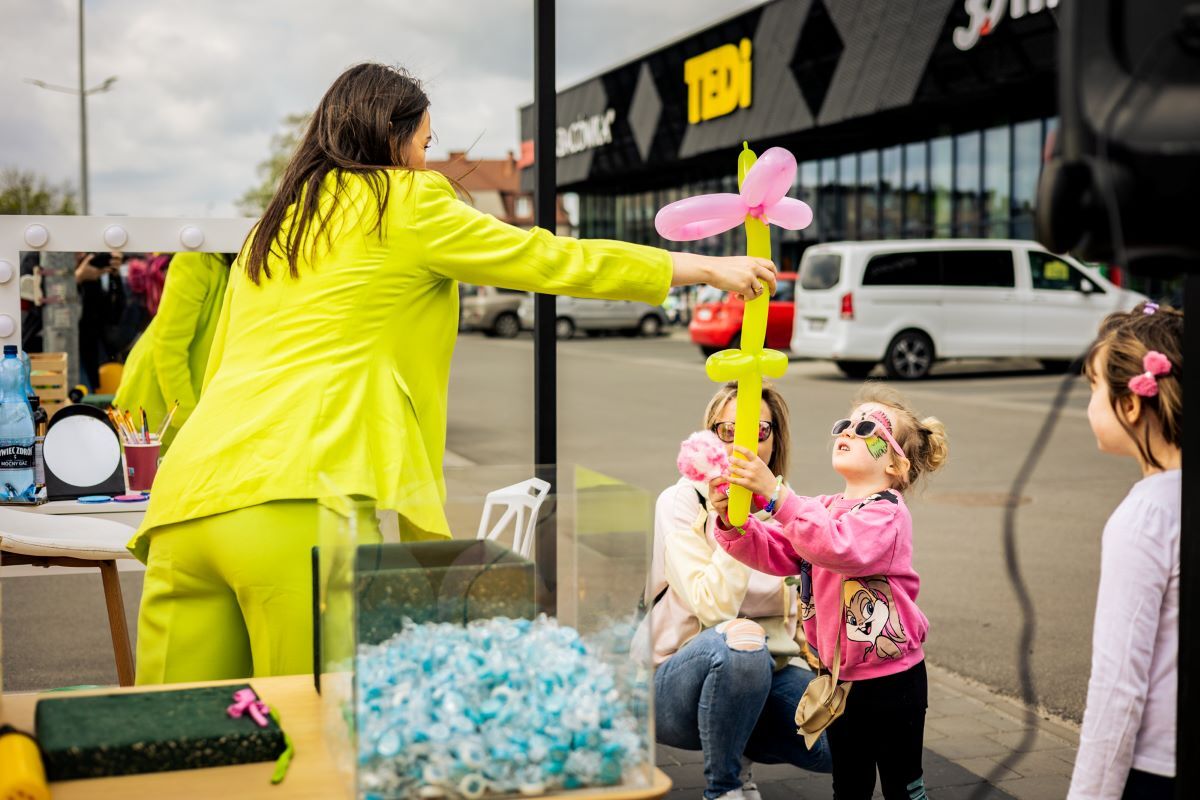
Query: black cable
(1013, 567)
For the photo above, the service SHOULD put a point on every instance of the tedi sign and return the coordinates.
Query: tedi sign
(585, 133)
(986, 15)
(718, 81)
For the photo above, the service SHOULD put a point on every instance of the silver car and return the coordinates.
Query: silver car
(572, 315)
(488, 309)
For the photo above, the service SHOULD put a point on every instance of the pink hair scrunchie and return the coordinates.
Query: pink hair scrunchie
(1146, 384)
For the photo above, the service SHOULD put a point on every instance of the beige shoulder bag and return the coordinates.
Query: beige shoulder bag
(824, 700)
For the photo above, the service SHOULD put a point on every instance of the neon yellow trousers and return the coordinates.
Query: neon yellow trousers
(230, 596)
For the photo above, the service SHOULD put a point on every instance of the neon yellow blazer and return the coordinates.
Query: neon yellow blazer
(337, 381)
(168, 361)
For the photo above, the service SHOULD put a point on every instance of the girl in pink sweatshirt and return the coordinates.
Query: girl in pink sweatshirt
(854, 550)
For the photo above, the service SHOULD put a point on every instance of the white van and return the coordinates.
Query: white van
(911, 302)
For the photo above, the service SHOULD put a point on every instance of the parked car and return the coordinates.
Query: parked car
(910, 303)
(488, 309)
(717, 320)
(572, 315)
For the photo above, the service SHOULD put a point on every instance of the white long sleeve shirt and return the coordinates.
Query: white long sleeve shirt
(1129, 721)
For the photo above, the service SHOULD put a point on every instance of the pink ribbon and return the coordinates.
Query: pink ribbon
(1146, 384)
(761, 197)
(246, 702)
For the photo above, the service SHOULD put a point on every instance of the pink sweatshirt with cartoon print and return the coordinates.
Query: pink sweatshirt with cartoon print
(869, 543)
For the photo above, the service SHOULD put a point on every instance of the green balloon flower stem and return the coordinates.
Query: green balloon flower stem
(748, 365)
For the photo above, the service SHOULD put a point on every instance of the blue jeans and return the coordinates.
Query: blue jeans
(728, 703)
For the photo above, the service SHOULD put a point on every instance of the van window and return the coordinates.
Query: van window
(991, 268)
(903, 269)
(820, 271)
(1051, 272)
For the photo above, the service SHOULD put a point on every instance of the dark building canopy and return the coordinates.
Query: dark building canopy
(822, 77)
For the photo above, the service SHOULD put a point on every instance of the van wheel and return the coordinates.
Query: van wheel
(650, 325)
(855, 369)
(564, 328)
(506, 326)
(909, 356)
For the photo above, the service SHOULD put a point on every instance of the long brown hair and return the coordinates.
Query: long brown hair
(922, 439)
(1124, 340)
(781, 447)
(361, 126)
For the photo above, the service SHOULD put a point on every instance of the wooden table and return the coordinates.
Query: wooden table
(312, 773)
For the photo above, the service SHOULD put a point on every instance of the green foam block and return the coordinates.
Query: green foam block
(127, 734)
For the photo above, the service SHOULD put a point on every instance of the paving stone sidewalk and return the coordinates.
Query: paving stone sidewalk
(978, 746)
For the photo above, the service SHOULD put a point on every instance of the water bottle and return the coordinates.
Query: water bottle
(17, 480)
(27, 374)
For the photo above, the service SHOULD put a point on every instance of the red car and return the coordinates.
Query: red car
(718, 325)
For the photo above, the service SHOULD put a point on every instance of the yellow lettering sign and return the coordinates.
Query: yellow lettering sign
(718, 81)
(1056, 271)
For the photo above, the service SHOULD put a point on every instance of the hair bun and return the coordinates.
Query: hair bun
(939, 448)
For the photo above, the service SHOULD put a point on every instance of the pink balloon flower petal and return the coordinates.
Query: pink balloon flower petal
(700, 216)
(770, 178)
(789, 213)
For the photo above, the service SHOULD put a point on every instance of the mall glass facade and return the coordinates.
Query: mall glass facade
(979, 183)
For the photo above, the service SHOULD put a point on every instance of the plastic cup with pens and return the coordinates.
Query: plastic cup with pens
(140, 448)
(140, 462)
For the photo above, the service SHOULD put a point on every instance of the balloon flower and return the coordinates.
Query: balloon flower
(760, 201)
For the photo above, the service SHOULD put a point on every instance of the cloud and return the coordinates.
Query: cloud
(202, 86)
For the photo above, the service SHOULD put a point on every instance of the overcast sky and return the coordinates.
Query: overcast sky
(203, 84)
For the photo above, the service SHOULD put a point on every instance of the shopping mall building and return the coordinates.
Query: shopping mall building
(909, 118)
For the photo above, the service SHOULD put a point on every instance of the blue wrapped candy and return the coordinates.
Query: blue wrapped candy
(499, 707)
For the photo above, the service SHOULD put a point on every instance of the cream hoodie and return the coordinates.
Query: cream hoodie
(706, 586)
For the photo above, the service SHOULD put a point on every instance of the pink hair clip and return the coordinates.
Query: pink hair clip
(246, 702)
(1149, 308)
(1146, 384)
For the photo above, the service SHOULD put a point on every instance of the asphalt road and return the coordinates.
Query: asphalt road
(624, 406)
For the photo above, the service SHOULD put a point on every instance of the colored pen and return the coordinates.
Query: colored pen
(162, 429)
(122, 426)
(112, 417)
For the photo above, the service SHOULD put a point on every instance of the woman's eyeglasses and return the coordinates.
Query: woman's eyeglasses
(724, 430)
(865, 428)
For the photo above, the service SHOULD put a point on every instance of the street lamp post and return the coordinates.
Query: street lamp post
(83, 95)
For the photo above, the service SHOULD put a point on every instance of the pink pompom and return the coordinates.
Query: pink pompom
(1156, 363)
(702, 457)
(1144, 385)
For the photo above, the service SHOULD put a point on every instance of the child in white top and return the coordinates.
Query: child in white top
(1127, 745)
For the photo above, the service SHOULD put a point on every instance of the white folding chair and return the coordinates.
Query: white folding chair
(44, 540)
(522, 502)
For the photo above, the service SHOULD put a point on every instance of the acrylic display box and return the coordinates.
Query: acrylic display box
(452, 668)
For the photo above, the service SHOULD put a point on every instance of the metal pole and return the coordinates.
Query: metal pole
(83, 149)
(545, 198)
(1187, 740)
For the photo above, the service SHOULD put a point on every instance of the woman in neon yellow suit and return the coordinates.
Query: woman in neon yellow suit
(329, 370)
(167, 363)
